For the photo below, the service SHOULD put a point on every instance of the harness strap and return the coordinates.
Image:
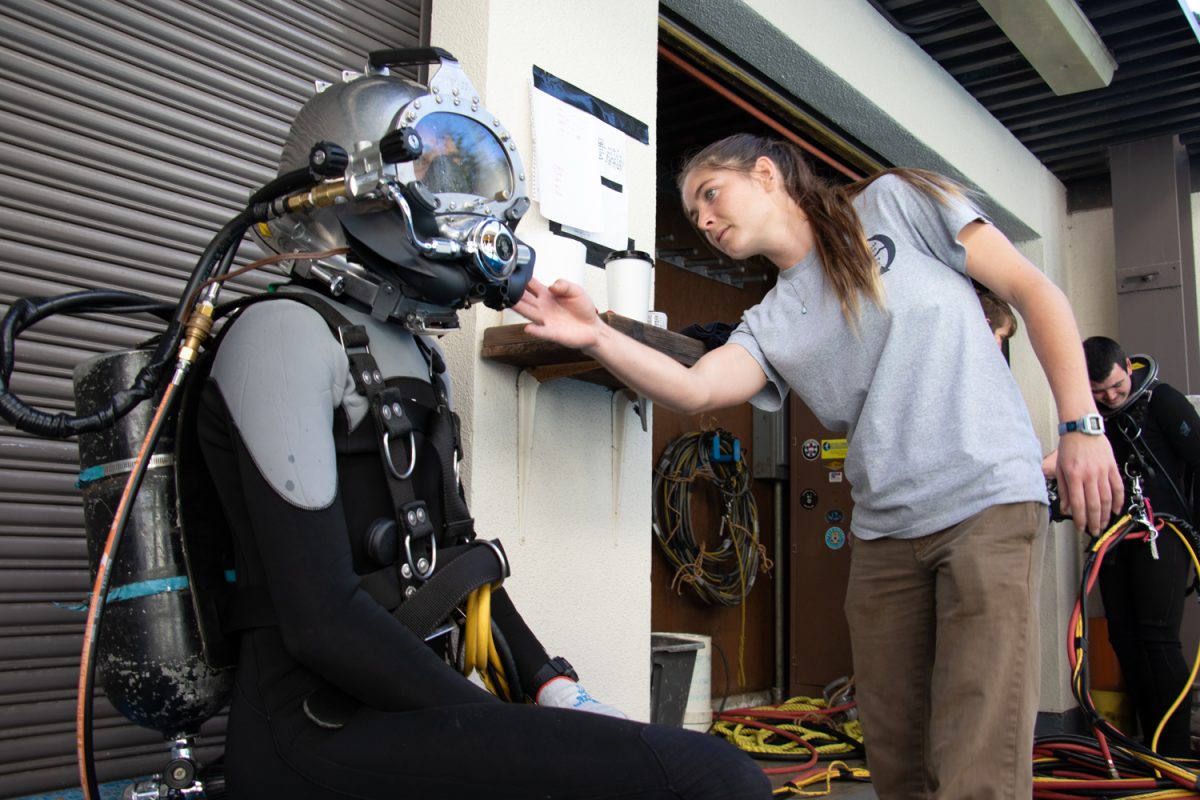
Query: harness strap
(473, 565)
(445, 436)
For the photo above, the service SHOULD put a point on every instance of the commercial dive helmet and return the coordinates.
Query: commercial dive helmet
(422, 184)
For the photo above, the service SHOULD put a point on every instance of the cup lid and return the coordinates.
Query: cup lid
(618, 254)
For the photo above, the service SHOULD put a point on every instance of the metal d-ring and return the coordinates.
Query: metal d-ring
(418, 573)
(412, 457)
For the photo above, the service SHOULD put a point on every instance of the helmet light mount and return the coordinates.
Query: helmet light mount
(431, 192)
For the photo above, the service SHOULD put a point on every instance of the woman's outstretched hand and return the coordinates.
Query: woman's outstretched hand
(561, 312)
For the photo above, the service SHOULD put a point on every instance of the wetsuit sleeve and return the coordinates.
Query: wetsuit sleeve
(1177, 419)
(328, 622)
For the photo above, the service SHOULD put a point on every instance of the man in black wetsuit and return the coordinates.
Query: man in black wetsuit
(336, 696)
(1155, 433)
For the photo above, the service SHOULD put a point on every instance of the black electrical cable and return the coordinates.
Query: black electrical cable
(25, 313)
(288, 183)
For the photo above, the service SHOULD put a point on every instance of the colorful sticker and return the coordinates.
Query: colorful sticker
(811, 449)
(834, 517)
(835, 537)
(834, 449)
(835, 476)
(808, 499)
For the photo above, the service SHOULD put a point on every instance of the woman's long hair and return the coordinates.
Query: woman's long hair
(846, 258)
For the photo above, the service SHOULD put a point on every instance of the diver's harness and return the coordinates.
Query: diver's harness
(420, 581)
(1129, 419)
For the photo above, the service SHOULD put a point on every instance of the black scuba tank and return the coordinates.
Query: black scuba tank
(151, 658)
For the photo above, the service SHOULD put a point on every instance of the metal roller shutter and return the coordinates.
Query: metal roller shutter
(131, 131)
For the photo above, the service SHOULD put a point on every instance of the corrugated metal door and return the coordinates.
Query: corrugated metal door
(129, 133)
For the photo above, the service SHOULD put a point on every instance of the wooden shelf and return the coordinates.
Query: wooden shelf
(509, 344)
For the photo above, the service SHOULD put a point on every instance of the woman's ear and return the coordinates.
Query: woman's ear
(766, 171)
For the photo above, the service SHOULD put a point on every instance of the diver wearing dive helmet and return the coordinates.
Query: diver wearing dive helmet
(1155, 437)
(327, 431)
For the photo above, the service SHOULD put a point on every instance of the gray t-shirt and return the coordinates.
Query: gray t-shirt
(937, 428)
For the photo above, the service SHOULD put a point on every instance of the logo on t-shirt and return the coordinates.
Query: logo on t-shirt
(884, 250)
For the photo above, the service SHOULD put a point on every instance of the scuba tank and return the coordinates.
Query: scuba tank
(151, 655)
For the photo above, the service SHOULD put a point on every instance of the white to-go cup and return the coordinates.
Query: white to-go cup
(627, 273)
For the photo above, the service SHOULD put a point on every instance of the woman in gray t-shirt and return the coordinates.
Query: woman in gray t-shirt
(875, 324)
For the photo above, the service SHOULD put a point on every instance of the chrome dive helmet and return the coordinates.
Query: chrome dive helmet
(422, 184)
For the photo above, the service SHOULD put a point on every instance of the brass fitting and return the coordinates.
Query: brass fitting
(321, 195)
(199, 326)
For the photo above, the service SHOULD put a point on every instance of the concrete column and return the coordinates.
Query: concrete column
(1155, 266)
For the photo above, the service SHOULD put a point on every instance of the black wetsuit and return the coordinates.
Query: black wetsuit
(417, 728)
(1144, 596)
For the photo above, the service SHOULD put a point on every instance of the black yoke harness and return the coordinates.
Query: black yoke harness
(423, 574)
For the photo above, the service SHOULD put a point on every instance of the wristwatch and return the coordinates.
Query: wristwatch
(1091, 424)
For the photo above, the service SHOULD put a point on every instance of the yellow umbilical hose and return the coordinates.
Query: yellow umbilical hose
(480, 654)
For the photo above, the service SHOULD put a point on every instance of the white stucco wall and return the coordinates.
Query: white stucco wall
(581, 575)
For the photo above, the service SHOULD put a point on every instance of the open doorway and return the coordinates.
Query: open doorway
(704, 95)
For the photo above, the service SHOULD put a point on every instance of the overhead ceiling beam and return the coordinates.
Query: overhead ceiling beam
(1057, 40)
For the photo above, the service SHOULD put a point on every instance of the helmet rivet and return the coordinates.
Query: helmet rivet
(406, 570)
(398, 409)
(423, 564)
(412, 517)
(410, 591)
(366, 376)
(386, 412)
(378, 376)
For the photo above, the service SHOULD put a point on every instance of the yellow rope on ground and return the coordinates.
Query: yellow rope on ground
(837, 770)
(813, 728)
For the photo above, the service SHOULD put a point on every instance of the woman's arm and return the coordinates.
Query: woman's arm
(563, 313)
(1088, 480)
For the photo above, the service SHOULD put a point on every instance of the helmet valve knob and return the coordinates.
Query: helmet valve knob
(328, 160)
(400, 146)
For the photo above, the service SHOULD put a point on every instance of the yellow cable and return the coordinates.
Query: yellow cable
(483, 630)
(796, 785)
(1191, 681)
(469, 633)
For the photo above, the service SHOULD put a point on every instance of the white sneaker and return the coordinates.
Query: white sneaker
(562, 692)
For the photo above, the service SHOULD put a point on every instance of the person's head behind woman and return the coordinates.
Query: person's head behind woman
(846, 257)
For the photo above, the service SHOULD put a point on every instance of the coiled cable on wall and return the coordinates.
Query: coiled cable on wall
(725, 573)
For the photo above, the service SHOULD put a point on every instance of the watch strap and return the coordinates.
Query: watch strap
(1091, 424)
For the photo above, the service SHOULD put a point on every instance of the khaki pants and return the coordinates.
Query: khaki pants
(944, 631)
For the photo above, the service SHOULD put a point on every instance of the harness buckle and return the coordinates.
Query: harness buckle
(414, 519)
